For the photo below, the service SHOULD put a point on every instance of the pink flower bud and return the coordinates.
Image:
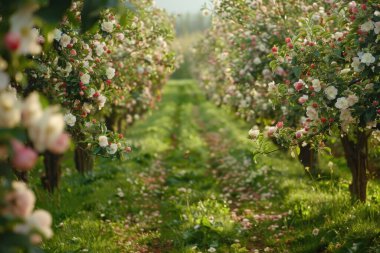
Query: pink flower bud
(24, 158)
(298, 134)
(12, 41)
(280, 124)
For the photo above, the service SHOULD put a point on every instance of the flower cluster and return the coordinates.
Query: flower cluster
(18, 207)
(336, 64)
(107, 76)
(28, 128)
(45, 128)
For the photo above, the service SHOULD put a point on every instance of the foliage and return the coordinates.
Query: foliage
(301, 72)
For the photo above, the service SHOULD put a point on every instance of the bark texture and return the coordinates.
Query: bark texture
(84, 161)
(309, 158)
(356, 153)
(52, 162)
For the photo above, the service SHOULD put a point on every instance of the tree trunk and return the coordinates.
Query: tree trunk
(120, 124)
(356, 153)
(309, 158)
(111, 121)
(52, 162)
(84, 161)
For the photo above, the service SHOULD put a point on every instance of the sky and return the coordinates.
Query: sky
(181, 6)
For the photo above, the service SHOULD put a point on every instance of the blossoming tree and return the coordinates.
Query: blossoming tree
(100, 70)
(335, 58)
(243, 34)
(324, 79)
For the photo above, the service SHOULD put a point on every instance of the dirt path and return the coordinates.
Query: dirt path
(198, 198)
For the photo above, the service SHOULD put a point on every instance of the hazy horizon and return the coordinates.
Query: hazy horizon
(181, 6)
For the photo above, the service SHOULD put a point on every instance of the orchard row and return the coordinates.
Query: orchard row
(71, 70)
(303, 72)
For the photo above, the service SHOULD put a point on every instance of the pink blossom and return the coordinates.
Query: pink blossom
(303, 99)
(299, 134)
(24, 158)
(299, 85)
(20, 202)
(271, 131)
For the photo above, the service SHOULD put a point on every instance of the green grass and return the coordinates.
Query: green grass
(191, 184)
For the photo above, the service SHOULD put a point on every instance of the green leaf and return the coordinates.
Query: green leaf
(327, 149)
(298, 150)
(19, 133)
(273, 64)
(54, 11)
(91, 12)
(297, 71)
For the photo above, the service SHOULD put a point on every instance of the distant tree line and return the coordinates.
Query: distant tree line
(191, 23)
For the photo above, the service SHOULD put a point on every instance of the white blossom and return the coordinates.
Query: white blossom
(257, 61)
(311, 113)
(254, 133)
(85, 78)
(87, 107)
(103, 141)
(316, 85)
(99, 49)
(367, 58)
(70, 119)
(112, 149)
(110, 72)
(101, 100)
(211, 249)
(40, 220)
(10, 110)
(57, 34)
(21, 25)
(367, 26)
(342, 103)
(47, 129)
(338, 35)
(356, 64)
(107, 26)
(31, 110)
(377, 27)
(331, 92)
(345, 71)
(65, 40)
(120, 36)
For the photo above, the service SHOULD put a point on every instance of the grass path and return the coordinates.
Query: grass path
(191, 186)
